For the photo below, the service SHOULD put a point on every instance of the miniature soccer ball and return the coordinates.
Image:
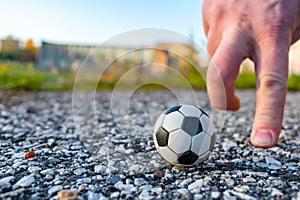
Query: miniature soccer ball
(184, 135)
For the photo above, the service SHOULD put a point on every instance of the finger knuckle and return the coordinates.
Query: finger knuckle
(271, 83)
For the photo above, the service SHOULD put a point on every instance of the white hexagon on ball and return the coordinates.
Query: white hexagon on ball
(179, 141)
(172, 121)
(168, 154)
(190, 111)
(207, 124)
(201, 143)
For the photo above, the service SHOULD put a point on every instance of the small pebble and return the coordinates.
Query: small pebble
(25, 181)
(158, 174)
(276, 193)
(196, 184)
(139, 181)
(114, 195)
(47, 172)
(67, 195)
(34, 169)
(113, 179)
(184, 193)
(53, 190)
(101, 169)
(30, 154)
(79, 171)
(215, 194)
(270, 161)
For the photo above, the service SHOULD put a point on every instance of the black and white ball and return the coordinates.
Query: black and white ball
(184, 135)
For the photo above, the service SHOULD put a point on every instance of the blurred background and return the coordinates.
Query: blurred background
(43, 43)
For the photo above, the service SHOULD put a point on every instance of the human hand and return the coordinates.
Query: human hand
(262, 31)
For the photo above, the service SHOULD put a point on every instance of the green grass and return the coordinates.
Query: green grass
(245, 80)
(23, 76)
(248, 81)
(294, 82)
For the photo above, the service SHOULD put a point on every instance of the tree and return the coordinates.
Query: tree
(29, 46)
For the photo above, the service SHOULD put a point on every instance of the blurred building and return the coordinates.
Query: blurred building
(294, 58)
(180, 56)
(9, 45)
(69, 57)
(294, 61)
(9, 49)
(14, 50)
(60, 56)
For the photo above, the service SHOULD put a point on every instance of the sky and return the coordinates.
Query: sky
(74, 21)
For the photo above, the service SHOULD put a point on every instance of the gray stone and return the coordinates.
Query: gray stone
(101, 169)
(261, 174)
(241, 188)
(80, 171)
(93, 195)
(139, 181)
(18, 155)
(7, 179)
(242, 195)
(82, 155)
(215, 194)
(276, 192)
(249, 179)
(274, 167)
(156, 190)
(145, 195)
(7, 129)
(25, 181)
(196, 184)
(114, 195)
(10, 171)
(186, 182)
(33, 169)
(13, 193)
(230, 182)
(255, 159)
(270, 161)
(184, 193)
(227, 144)
(47, 172)
(5, 182)
(261, 164)
(53, 190)
(146, 187)
(198, 196)
(123, 187)
(48, 177)
(113, 179)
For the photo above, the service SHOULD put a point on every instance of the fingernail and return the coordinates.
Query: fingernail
(263, 137)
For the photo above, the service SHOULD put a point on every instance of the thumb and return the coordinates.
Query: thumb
(271, 75)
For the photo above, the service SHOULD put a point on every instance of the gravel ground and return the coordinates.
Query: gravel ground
(112, 155)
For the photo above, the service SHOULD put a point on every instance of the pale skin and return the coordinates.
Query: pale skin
(263, 31)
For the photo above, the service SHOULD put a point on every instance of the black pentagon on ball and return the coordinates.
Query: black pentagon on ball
(192, 125)
(187, 158)
(162, 137)
(172, 109)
